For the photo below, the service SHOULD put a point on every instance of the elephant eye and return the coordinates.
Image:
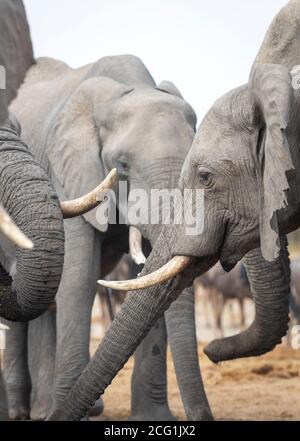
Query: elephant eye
(123, 166)
(205, 177)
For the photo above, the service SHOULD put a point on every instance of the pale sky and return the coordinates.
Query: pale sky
(206, 47)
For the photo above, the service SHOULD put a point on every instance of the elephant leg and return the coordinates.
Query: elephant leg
(107, 313)
(231, 308)
(75, 300)
(242, 311)
(41, 355)
(3, 399)
(206, 307)
(149, 398)
(218, 307)
(16, 372)
(181, 327)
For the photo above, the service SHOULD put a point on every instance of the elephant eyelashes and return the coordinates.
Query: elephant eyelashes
(205, 177)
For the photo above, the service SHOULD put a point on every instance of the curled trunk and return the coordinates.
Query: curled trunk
(12, 232)
(29, 198)
(270, 287)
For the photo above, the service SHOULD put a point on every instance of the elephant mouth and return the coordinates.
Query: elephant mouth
(228, 266)
(177, 264)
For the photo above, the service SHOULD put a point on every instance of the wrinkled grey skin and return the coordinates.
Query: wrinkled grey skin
(80, 124)
(34, 205)
(29, 279)
(8, 12)
(234, 158)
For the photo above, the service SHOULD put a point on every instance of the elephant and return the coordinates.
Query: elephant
(29, 279)
(245, 159)
(16, 56)
(10, 12)
(79, 124)
(30, 269)
(110, 300)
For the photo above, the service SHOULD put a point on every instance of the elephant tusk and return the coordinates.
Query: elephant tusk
(12, 232)
(136, 246)
(163, 274)
(80, 206)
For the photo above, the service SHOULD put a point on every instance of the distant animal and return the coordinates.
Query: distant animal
(295, 289)
(222, 287)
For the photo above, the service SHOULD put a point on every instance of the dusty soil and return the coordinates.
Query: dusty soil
(263, 388)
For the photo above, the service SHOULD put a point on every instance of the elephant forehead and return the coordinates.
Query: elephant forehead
(149, 101)
(216, 142)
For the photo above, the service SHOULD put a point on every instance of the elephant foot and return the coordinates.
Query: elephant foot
(19, 413)
(41, 406)
(200, 415)
(155, 413)
(39, 415)
(18, 403)
(97, 409)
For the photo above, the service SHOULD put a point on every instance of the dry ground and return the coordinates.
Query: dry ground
(263, 388)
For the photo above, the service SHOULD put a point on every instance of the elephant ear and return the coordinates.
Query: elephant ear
(272, 95)
(3, 105)
(282, 41)
(169, 87)
(74, 143)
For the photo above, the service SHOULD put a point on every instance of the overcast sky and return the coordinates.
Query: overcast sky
(206, 47)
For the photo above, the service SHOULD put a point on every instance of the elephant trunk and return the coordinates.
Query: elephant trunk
(31, 201)
(183, 342)
(270, 287)
(138, 314)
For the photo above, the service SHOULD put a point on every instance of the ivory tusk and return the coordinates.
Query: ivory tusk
(12, 232)
(83, 205)
(136, 246)
(163, 274)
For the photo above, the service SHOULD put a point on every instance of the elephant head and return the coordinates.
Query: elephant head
(243, 158)
(111, 116)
